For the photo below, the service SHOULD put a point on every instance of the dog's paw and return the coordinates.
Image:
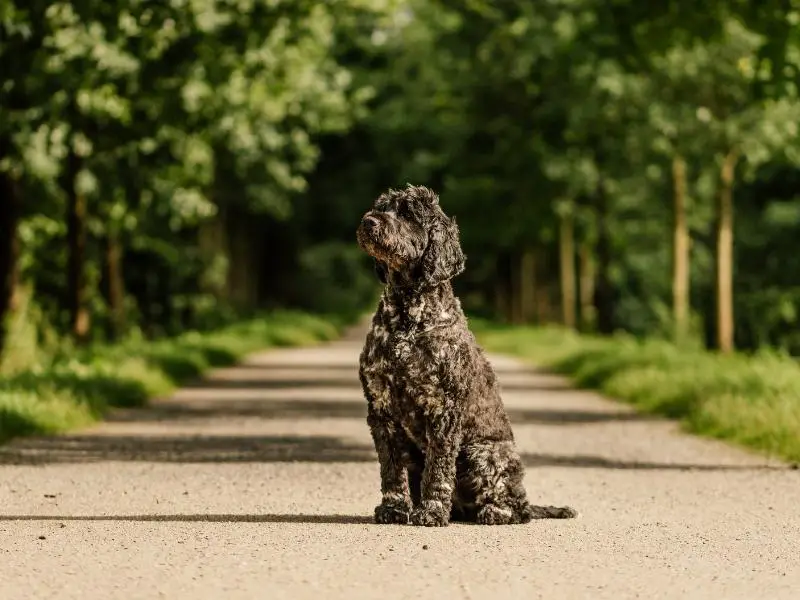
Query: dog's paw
(392, 513)
(430, 516)
(495, 515)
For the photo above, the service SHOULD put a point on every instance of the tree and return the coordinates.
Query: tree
(139, 123)
(567, 257)
(716, 81)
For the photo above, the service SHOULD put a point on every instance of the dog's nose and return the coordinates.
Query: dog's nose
(370, 223)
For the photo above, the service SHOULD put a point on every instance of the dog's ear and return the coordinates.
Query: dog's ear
(443, 258)
(381, 271)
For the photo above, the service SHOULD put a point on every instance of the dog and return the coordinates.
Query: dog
(444, 441)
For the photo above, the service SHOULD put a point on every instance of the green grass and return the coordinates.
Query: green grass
(752, 400)
(80, 387)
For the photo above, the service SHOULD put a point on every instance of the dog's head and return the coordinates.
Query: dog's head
(411, 238)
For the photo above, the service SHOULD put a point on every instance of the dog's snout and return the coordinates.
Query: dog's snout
(370, 223)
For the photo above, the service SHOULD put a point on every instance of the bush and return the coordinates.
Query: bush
(336, 277)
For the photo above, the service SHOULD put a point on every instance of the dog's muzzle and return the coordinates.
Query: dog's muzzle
(370, 224)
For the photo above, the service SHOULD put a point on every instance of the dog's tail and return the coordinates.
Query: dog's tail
(530, 512)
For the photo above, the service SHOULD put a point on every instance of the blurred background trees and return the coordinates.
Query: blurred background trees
(612, 165)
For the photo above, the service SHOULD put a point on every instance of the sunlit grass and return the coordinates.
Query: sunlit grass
(78, 389)
(751, 400)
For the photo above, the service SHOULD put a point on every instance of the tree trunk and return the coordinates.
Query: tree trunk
(527, 290)
(586, 265)
(10, 205)
(724, 262)
(515, 287)
(116, 286)
(680, 251)
(604, 291)
(79, 320)
(567, 262)
(501, 295)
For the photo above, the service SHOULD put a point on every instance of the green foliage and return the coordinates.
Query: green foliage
(752, 400)
(513, 111)
(335, 277)
(173, 166)
(161, 119)
(76, 389)
(174, 122)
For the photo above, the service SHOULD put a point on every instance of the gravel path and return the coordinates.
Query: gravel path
(259, 483)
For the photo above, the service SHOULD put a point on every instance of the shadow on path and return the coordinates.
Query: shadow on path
(261, 409)
(337, 409)
(272, 383)
(187, 449)
(584, 461)
(352, 368)
(541, 416)
(210, 518)
(276, 383)
(277, 449)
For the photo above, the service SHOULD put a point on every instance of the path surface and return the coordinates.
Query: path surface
(259, 483)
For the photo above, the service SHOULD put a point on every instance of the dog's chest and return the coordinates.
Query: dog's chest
(401, 373)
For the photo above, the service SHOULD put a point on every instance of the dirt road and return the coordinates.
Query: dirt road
(260, 482)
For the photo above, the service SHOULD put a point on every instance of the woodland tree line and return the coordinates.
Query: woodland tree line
(612, 165)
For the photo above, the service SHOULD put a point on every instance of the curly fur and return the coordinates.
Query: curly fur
(442, 435)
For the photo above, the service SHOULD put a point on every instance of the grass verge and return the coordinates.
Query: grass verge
(76, 390)
(752, 400)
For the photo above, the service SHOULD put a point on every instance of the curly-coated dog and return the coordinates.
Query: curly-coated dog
(442, 435)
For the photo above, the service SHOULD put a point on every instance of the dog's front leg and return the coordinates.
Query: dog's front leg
(439, 476)
(395, 505)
